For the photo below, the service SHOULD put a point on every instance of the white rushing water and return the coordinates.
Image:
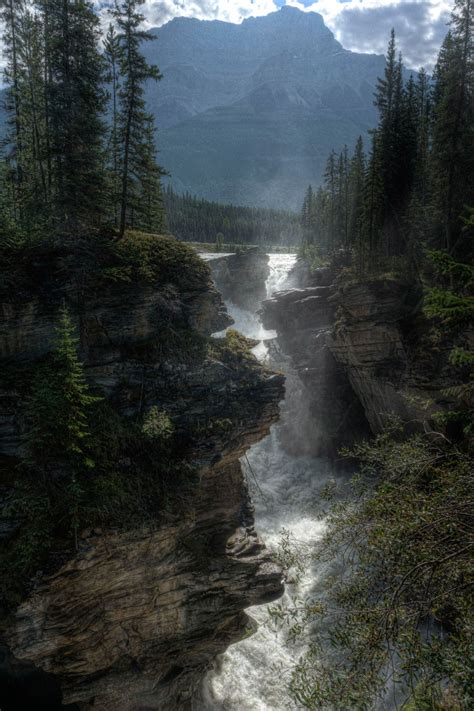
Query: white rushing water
(253, 674)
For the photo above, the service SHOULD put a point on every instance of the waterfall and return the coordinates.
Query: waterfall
(253, 675)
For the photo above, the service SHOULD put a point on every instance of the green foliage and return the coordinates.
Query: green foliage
(219, 242)
(412, 188)
(147, 258)
(157, 426)
(59, 405)
(139, 198)
(195, 220)
(311, 253)
(452, 306)
(448, 306)
(64, 172)
(233, 347)
(398, 607)
(85, 466)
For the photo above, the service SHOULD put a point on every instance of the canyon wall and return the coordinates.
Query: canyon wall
(365, 354)
(241, 277)
(133, 618)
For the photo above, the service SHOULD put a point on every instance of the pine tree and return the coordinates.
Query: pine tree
(11, 12)
(59, 406)
(75, 106)
(330, 181)
(112, 53)
(139, 172)
(423, 118)
(453, 134)
(356, 198)
(306, 216)
(374, 205)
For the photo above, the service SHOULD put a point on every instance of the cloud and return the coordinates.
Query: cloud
(157, 12)
(364, 26)
(360, 25)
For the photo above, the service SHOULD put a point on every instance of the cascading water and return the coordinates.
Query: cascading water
(253, 674)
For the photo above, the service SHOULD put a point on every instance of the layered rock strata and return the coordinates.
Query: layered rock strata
(133, 618)
(362, 351)
(330, 412)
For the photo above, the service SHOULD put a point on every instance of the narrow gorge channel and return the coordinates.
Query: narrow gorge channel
(253, 675)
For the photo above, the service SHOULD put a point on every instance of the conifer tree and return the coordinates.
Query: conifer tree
(139, 172)
(75, 105)
(453, 135)
(306, 216)
(59, 407)
(356, 197)
(330, 181)
(11, 12)
(373, 203)
(112, 53)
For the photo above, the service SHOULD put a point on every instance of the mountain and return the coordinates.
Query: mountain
(248, 113)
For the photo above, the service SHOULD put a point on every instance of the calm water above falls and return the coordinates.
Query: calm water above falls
(253, 674)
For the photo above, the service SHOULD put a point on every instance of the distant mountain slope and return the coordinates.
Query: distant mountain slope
(248, 113)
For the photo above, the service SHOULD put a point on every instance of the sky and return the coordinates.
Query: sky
(360, 25)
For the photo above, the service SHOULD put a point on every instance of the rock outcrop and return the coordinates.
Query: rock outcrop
(241, 277)
(385, 345)
(362, 351)
(331, 414)
(134, 617)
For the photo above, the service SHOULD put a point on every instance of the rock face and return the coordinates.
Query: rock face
(291, 89)
(363, 355)
(133, 618)
(241, 277)
(381, 340)
(332, 414)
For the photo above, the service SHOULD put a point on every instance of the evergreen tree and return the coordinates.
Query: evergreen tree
(373, 203)
(11, 12)
(453, 130)
(356, 197)
(75, 104)
(59, 406)
(139, 172)
(306, 216)
(112, 54)
(330, 181)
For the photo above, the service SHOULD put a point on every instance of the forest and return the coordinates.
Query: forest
(412, 187)
(66, 169)
(196, 220)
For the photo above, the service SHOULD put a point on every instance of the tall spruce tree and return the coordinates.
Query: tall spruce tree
(139, 171)
(75, 106)
(330, 182)
(453, 129)
(112, 53)
(11, 12)
(356, 196)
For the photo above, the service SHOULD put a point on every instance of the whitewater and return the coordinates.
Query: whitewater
(253, 674)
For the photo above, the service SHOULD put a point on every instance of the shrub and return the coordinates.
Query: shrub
(399, 608)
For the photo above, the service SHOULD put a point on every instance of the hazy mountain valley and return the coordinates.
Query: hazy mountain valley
(248, 113)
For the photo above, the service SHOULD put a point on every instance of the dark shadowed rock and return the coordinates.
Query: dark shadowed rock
(134, 617)
(241, 277)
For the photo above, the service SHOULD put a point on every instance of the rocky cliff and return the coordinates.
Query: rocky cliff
(134, 616)
(365, 354)
(241, 277)
(332, 414)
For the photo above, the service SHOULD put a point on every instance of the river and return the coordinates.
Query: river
(253, 675)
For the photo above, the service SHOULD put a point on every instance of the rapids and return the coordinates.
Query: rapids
(253, 675)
